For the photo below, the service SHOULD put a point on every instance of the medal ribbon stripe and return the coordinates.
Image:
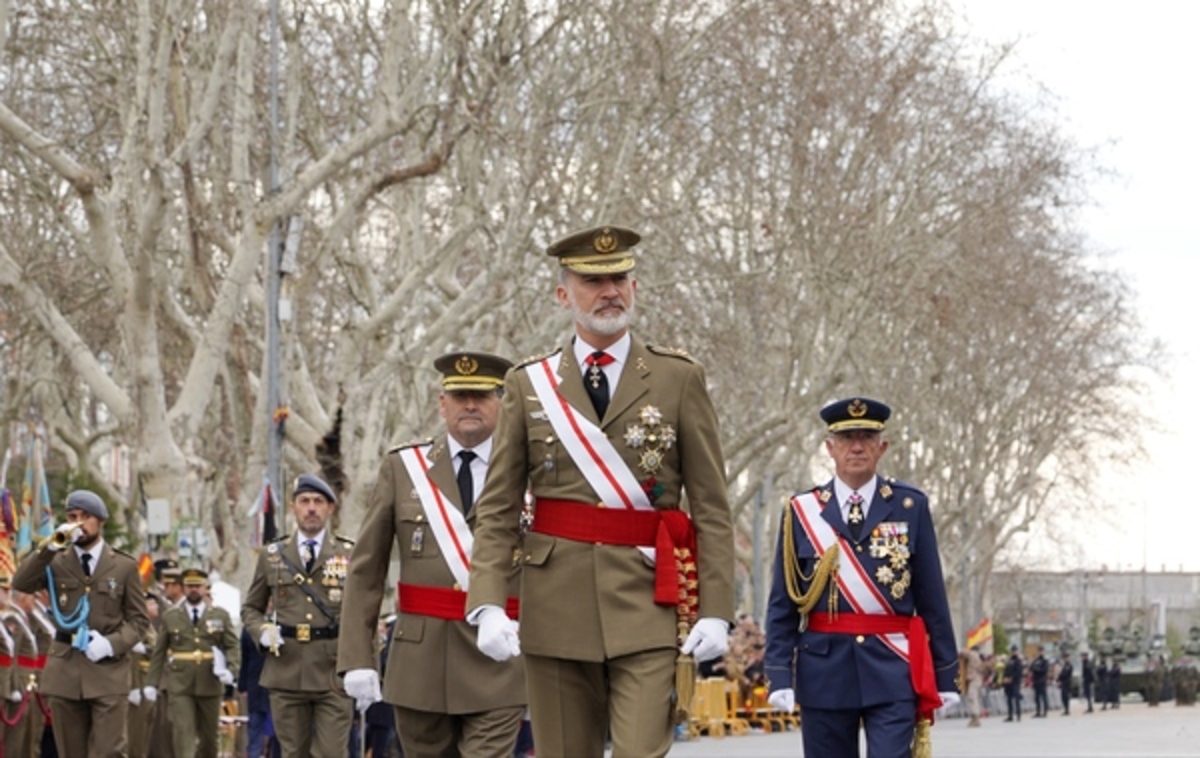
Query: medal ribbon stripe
(448, 524)
(857, 588)
(589, 448)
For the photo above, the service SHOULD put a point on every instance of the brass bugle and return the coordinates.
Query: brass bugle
(62, 538)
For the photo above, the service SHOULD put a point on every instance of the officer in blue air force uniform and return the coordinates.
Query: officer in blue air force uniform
(858, 625)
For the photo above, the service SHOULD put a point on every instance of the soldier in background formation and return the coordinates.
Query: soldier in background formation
(974, 673)
(1039, 670)
(1087, 679)
(450, 699)
(140, 719)
(1064, 683)
(293, 608)
(198, 654)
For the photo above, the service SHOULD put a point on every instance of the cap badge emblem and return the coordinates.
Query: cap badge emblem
(857, 408)
(605, 241)
(466, 365)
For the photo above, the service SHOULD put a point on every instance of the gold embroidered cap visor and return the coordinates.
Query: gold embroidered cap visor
(602, 250)
(855, 413)
(472, 371)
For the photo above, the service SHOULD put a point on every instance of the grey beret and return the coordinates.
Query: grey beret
(313, 483)
(88, 502)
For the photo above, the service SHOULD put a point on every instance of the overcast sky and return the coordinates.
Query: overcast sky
(1125, 75)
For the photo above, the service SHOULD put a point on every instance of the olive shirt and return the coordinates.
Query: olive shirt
(118, 611)
(584, 601)
(184, 651)
(300, 666)
(433, 664)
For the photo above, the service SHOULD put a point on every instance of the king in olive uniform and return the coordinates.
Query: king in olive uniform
(293, 608)
(99, 614)
(618, 443)
(198, 653)
(450, 699)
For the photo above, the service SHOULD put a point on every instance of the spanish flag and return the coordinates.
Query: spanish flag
(980, 634)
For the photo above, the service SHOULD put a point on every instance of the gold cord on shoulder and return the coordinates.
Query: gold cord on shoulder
(827, 566)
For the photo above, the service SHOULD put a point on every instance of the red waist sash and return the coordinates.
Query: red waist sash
(666, 531)
(39, 662)
(6, 660)
(920, 660)
(26, 661)
(441, 602)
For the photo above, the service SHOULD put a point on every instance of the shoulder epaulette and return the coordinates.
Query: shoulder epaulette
(674, 352)
(897, 484)
(343, 538)
(413, 443)
(127, 555)
(535, 358)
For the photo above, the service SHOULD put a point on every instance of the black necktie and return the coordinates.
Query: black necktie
(87, 563)
(466, 480)
(596, 382)
(195, 616)
(856, 514)
(311, 546)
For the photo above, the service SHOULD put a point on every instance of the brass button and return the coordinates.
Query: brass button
(858, 548)
(859, 639)
(308, 616)
(457, 587)
(599, 505)
(309, 599)
(528, 558)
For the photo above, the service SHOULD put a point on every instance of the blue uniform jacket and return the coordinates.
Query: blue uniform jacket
(837, 671)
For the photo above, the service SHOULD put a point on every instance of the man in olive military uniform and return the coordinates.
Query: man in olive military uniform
(23, 671)
(301, 579)
(99, 612)
(140, 719)
(450, 699)
(199, 653)
(34, 612)
(170, 579)
(618, 443)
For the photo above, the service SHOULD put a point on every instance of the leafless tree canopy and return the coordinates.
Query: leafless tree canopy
(835, 198)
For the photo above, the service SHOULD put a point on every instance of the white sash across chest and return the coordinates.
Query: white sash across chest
(449, 526)
(853, 581)
(588, 446)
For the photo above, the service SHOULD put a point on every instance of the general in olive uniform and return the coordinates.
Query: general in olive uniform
(198, 653)
(618, 443)
(23, 672)
(100, 614)
(450, 699)
(858, 625)
(293, 608)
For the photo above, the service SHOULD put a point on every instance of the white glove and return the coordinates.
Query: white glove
(270, 636)
(139, 648)
(949, 699)
(783, 700)
(135, 697)
(708, 639)
(497, 638)
(219, 660)
(98, 647)
(226, 677)
(150, 693)
(72, 532)
(16, 696)
(363, 686)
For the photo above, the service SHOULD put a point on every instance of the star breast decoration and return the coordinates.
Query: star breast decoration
(651, 438)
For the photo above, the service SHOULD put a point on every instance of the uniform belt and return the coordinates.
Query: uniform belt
(198, 656)
(670, 532)
(306, 632)
(920, 660)
(441, 602)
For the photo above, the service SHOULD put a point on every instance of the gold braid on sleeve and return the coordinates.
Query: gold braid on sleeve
(827, 566)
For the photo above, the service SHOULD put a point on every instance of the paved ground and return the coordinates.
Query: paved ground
(1134, 731)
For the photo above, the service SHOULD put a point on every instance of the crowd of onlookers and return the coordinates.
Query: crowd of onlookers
(744, 661)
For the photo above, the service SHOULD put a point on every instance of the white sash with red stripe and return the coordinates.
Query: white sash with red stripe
(588, 446)
(449, 527)
(853, 581)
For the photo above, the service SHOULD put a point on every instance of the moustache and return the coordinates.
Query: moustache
(609, 303)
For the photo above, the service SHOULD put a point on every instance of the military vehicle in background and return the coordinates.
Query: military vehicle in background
(1133, 651)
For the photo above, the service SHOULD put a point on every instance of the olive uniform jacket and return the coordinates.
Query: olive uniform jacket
(118, 611)
(433, 664)
(26, 653)
(300, 666)
(177, 647)
(585, 601)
